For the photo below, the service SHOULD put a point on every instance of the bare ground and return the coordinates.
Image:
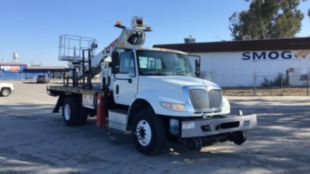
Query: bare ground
(288, 91)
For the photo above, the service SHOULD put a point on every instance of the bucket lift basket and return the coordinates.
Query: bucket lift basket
(71, 47)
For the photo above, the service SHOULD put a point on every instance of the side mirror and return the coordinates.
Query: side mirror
(115, 62)
(197, 67)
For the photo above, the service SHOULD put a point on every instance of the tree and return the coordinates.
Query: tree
(267, 19)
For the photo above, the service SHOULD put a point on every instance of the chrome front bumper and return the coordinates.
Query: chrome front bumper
(214, 126)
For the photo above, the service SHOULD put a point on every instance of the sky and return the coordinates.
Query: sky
(32, 27)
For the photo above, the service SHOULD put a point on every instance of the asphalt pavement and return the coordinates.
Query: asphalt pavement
(34, 140)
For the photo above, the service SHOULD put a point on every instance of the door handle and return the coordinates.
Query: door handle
(117, 89)
(129, 80)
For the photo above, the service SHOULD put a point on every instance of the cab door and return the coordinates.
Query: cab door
(125, 83)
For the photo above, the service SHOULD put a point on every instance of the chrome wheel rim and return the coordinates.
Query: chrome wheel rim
(144, 133)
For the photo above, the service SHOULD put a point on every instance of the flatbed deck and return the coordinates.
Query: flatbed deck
(58, 90)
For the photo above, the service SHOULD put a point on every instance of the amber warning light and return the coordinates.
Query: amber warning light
(119, 24)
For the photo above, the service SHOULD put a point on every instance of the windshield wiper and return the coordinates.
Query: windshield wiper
(156, 73)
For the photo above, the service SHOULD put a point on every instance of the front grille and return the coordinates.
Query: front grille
(215, 99)
(203, 100)
(199, 98)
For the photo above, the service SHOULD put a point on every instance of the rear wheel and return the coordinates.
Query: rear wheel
(5, 92)
(148, 132)
(71, 112)
(84, 115)
(92, 113)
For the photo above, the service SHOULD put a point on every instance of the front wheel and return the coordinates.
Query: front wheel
(148, 132)
(239, 137)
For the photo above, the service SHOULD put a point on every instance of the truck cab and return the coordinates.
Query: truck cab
(166, 79)
(159, 87)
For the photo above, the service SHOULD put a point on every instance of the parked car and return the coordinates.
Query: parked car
(6, 89)
(42, 79)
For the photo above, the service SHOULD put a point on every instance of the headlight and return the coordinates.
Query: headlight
(173, 106)
(226, 106)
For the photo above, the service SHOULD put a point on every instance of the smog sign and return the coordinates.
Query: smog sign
(274, 55)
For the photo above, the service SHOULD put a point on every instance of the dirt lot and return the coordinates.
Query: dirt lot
(33, 140)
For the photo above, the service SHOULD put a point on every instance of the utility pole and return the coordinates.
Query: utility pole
(263, 35)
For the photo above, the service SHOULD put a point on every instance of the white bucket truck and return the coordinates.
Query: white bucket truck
(153, 94)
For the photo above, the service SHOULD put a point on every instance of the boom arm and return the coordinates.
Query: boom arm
(72, 48)
(129, 39)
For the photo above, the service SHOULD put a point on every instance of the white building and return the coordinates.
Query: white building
(251, 62)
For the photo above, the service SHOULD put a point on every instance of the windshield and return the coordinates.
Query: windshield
(164, 63)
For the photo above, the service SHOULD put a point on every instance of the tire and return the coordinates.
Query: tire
(92, 113)
(148, 132)
(5, 92)
(84, 115)
(71, 112)
(239, 137)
